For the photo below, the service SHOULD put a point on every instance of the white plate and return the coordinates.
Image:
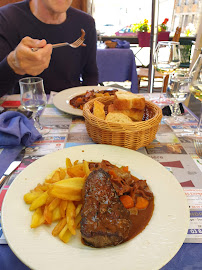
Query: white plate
(62, 99)
(151, 249)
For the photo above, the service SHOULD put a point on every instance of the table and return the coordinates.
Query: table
(183, 164)
(117, 65)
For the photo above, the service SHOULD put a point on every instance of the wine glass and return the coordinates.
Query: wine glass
(33, 98)
(166, 59)
(178, 91)
(196, 90)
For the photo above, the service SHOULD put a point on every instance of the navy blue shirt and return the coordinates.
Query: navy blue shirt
(67, 65)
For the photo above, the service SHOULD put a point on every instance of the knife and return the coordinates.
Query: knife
(13, 166)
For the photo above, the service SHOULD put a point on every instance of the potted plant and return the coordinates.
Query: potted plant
(143, 33)
(163, 34)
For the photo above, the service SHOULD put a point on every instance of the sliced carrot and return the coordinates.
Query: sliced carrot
(112, 173)
(125, 168)
(142, 203)
(127, 201)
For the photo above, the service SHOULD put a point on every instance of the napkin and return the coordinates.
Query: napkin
(122, 43)
(16, 129)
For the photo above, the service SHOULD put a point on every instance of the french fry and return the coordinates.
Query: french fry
(59, 199)
(68, 189)
(68, 163)
(39, 201)
(86, 168)
(31, 196)
(62, 173)
(63, 206)
(37, 218)
(77, 221)
(54, 204)
(70, 216)
(76, 162)
(56, 214)
(76, 171)
(65, 234)
(78, 209)
(58, 228)
(55, 177)
(50, 199)
(47, 215)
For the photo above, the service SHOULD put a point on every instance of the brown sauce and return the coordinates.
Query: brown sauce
(141, 220)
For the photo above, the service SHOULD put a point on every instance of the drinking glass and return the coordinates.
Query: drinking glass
(33, 98)
(2, 99)
(166, 59)
(196, 89)
(178, 91)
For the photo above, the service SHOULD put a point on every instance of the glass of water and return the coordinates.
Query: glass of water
(33, 98)
(178, 91)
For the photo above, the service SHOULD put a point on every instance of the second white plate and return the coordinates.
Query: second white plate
(62, 99)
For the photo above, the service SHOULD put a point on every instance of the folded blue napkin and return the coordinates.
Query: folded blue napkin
(122, 43)
(16, 129)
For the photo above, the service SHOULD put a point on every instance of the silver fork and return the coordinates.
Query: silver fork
(77, 43)
(198, 147)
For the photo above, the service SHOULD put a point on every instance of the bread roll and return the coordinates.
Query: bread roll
(117, 117)
(127, 100)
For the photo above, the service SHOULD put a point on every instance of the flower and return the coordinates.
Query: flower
(141, 26)
(190, 30)
(163, 27)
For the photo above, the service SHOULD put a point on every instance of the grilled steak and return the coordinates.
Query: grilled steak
(105, 221)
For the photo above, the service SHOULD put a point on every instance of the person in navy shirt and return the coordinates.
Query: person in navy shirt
(38, 24)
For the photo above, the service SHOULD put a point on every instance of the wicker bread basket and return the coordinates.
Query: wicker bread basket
(133, 136)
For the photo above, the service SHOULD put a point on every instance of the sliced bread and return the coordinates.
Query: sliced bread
(134, 114)
(127, 100)
(117, 117)
(98, 109)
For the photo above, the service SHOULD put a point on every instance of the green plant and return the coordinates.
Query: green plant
(141, 26)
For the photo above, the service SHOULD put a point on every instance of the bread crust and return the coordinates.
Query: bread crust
(118, 117)
(134, 114)
(128, 100)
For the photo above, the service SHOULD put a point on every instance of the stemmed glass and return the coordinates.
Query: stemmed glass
(166, 59)
(178, 91)
(33, 98)
(196, 89)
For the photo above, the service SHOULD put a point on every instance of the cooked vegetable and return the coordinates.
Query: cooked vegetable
(142, 203)
(127, 201)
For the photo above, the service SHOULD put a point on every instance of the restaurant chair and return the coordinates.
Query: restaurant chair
(117, 65)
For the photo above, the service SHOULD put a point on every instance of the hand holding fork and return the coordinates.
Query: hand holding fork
(77, 43)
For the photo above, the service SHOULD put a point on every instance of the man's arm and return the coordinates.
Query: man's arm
(22, 60)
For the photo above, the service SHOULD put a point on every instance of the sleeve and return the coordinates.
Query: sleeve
(8, 78)
(90, 70)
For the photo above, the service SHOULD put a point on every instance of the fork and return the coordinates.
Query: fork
(77, 43)
(198, 147)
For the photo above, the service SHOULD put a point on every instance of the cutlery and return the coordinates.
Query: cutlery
(13, 166)
(198, 147)
(77, 43)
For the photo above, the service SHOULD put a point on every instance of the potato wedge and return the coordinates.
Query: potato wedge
(31, 196)
(76, 171)
(70, 216)
(56, 214)
(65, 234)
(37, 218)
(86, 168)
(39, 201)
(58, 228)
